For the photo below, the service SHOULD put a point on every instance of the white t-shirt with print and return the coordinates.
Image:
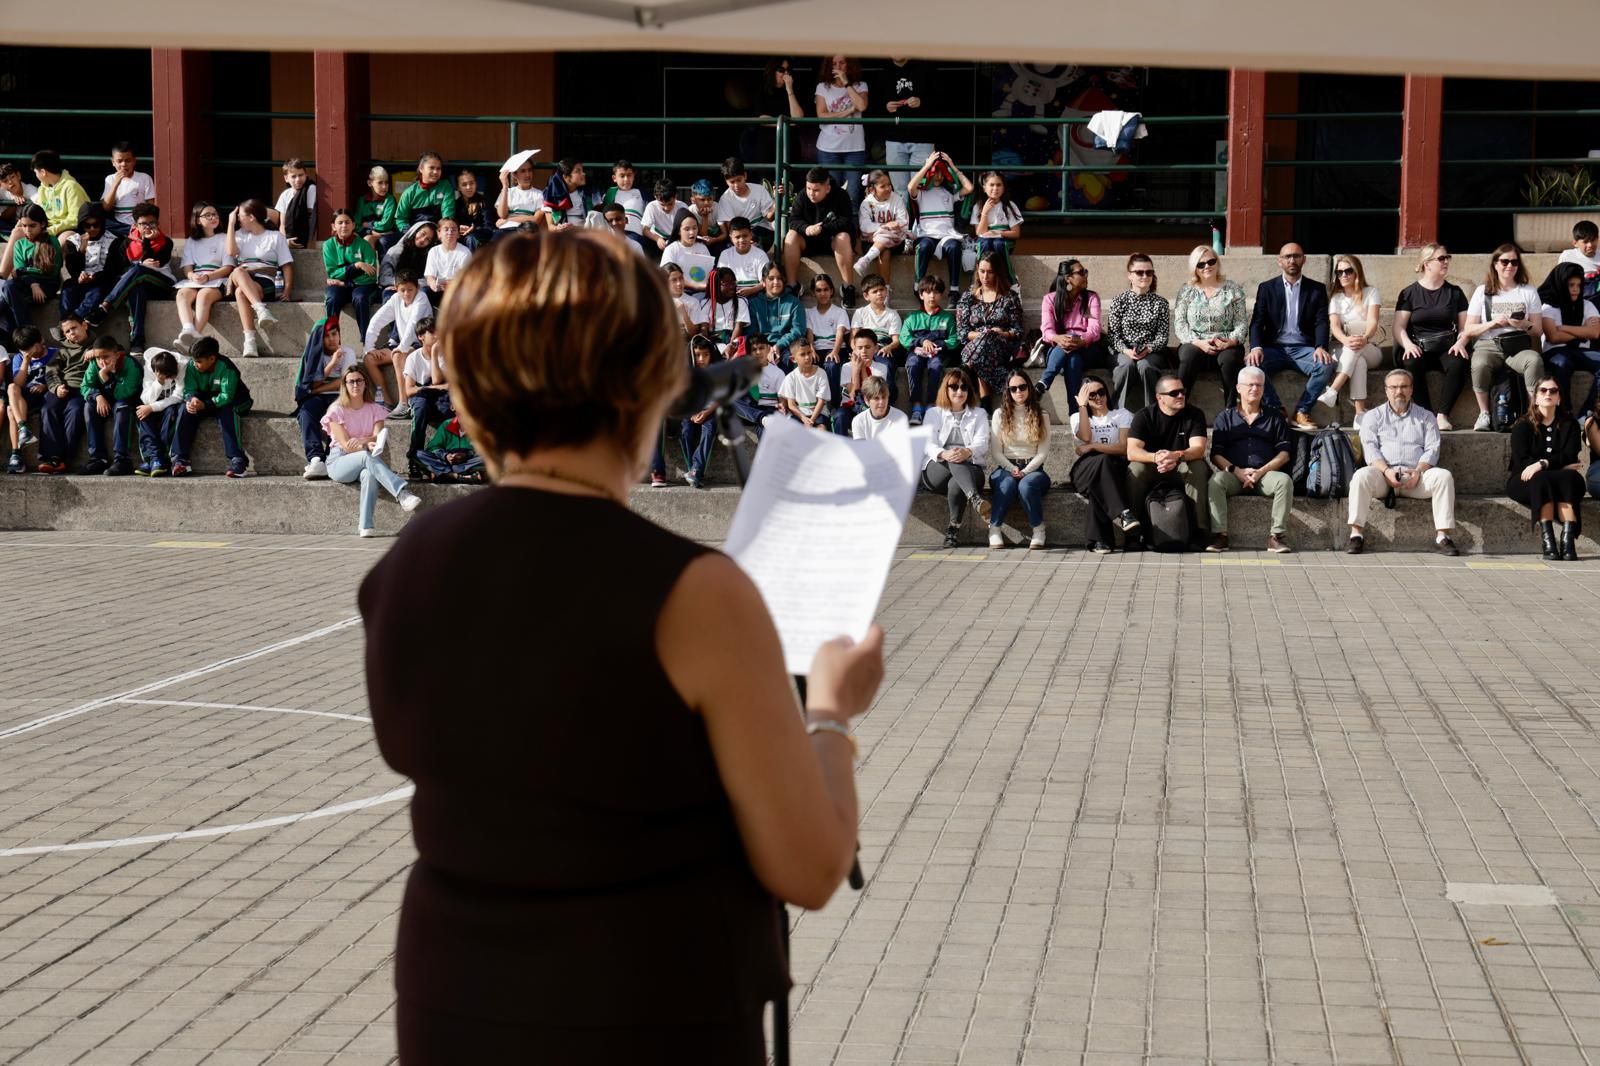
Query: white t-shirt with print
(522, 205)
(806, 391)
(1552, 317)
(1524, 298)
(771, 382)
(936, 212)
(266, 252)
(729, 313)
(1106, 428)
(824, 325)
(836, 98)
(204, 253)
(1000, 218)
(135, 191)
(695, 262)
(747, 267)
(1351, 312)
(754, 206)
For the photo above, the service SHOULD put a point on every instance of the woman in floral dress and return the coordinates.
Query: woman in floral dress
(989, 322)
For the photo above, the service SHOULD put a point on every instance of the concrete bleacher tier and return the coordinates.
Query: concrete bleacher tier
(277, 500)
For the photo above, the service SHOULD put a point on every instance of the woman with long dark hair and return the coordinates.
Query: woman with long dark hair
(989, 324)
(552, 889)
(1571, 331)
(1069, 321)
(1504, 326)
(202, 270)
(1543, 475)
(1019, 437)
(840, 94)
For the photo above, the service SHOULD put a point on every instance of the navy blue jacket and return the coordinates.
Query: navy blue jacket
(1266, 321)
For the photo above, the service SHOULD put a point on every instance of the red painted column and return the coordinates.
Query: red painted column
(1421, 132)
(180, 90)
(1247, 133)
(343, 133)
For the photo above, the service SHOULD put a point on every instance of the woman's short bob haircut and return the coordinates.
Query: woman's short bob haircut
(557, 339)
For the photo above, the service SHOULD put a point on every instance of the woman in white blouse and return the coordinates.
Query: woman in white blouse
(958, 447)
(1353, 310)
(1505, 327)
(1021, 436)
(1100, 474)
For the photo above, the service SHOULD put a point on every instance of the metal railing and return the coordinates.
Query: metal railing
(86, 112)
(1320, 164)
(1531, 164)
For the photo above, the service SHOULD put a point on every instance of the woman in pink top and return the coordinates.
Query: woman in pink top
(356, 425)
(1070, 323)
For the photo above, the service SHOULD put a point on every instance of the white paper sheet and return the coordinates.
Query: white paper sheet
(817, 526)
(510, 165)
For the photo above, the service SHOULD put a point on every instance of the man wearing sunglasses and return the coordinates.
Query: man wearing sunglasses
(1289, 331)
(1167, 442)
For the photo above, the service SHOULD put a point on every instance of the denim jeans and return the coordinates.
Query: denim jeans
(429, 407)
(80, 298)
(1005, 489)
(370, 470)
(697, 438)
(435, 463)
(362, 297)
(1301, 357)
(309, 415)
(848, 180)
(908, 153)
(1074, 364)
(1565, 360)
(157, 434)
(16, 299)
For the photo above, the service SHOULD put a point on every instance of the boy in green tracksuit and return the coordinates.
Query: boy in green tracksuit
(929, 338)
(212, 388)
(449, 455)
(430, 196)
(110, 392)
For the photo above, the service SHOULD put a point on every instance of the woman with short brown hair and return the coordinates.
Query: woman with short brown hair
(624, 786)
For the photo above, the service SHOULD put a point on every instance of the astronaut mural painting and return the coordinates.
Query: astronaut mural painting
(1022, 90)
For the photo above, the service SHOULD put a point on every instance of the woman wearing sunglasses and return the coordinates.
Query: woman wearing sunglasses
(1430, 322)
(1138, 323)
(1021, 435)
(958, 447)
(1504, 327)
(1353, 321)
(1209, 317)
(1544, 472)
(1100, 474)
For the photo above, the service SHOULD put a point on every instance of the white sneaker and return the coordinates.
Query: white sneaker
(862, 264)
(1444, 423)
(264, 316)
(408, 501)
(251, 349)
(315, 469)
(1483, 423)
(185, 338)
(1329, 398)
(367, 531)
(380, 441)
(996, 538)
(1037, 540)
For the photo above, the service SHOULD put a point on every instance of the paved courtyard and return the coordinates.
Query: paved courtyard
(1119, 810)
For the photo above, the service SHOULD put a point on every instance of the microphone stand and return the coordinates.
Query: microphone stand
(732, 428)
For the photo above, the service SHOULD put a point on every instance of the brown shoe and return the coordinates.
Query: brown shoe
(1276, 543)
(1445, 546)
(984, 509)
(1303, 422)
(1354, 545)
(1219, 543)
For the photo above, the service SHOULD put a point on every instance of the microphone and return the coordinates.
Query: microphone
(717, 383)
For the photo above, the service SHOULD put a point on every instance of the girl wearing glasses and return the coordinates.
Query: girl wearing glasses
(203, 268)
(958, 447)
(1021, 435)
(1209, 318)
(1138, 323)
(1544, 472)
(1504, 327)
(1353, 320)
(1101, 470)
(1430, 322)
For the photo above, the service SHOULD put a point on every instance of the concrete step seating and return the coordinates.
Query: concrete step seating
(1487, 521)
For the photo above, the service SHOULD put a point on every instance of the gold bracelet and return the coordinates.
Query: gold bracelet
(829, 725)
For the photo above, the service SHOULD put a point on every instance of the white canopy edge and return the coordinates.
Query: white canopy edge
(1473, 38)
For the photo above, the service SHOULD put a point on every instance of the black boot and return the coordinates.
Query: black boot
(1569, 541)
(1547, 535)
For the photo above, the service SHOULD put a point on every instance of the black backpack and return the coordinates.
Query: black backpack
(1333, 463)
(1508, 401)
(1171, 528)
(1300, 465)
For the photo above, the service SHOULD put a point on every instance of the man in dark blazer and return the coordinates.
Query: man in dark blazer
(1289, 331)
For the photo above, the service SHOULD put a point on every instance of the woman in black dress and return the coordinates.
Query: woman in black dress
(618, 787)
(1544, 473)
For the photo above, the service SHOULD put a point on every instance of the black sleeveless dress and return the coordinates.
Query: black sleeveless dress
(581, 893)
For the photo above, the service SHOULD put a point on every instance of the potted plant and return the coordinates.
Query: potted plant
(1551, 231)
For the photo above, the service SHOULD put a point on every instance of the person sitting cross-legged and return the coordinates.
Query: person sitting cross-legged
(1400, 442)
(1250, 448)
(1167, 442)
(1289, 331)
